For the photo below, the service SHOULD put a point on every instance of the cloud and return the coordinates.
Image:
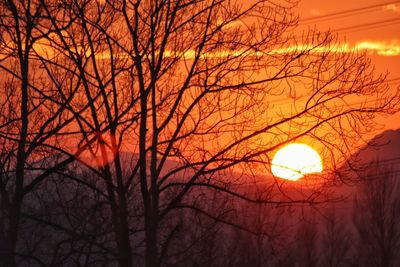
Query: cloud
(379, 48)
(47, 51)
(316, 12)
(391, 7)
(370, 47)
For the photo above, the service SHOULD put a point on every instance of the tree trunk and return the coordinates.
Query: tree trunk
(151, 240)
(124, 244)
(8, 248)
(120, 222)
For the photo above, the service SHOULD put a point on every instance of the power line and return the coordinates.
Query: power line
(371, 27)
(379, 163)
(286, 101)
(393, 79)
(351, 12)
(348, 12)
(395, 83)
(364, 26)
(338, 17)
(374, 24)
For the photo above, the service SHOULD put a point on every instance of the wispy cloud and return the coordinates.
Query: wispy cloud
(45, 50)
(316, 12)
(392, 7)
(379, 48)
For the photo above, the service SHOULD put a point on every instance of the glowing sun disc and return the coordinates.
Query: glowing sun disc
(294, 161)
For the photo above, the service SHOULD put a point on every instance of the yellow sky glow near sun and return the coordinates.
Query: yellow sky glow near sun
(45, 50)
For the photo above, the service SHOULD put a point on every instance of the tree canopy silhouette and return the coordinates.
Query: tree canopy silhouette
(198, 90)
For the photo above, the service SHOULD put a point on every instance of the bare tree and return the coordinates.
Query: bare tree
(306, 240)
(377, 217)
(207, 75)
(336, 239)
(193, 88)
(32, 116)
(264, 235)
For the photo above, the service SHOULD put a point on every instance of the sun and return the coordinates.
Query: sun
(294, 161)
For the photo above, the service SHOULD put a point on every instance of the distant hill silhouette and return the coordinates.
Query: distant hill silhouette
(383, 149)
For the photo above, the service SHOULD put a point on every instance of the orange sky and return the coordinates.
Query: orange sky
(380, 34)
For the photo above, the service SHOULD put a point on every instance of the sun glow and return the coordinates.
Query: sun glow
(294, 161)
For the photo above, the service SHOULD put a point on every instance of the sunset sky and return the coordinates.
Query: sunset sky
(373, 25)
(199, 133)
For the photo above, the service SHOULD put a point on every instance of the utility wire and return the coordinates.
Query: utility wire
(379, 163)
(337, 17)
(371, 27)
(375, 24)
(393, 79)
(364, 26)
(352, 12)
(349, 11)
(286, 101)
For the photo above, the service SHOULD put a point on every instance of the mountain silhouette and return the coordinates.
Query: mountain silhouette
(383, 150)
(384, 147)
(381, 153)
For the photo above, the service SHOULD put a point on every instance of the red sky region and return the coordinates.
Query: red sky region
(372, 24)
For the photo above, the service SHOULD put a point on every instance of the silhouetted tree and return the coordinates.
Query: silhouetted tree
(336, 239)
(306, 239)
(193, 88)
(377, 217)
(32, 118)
